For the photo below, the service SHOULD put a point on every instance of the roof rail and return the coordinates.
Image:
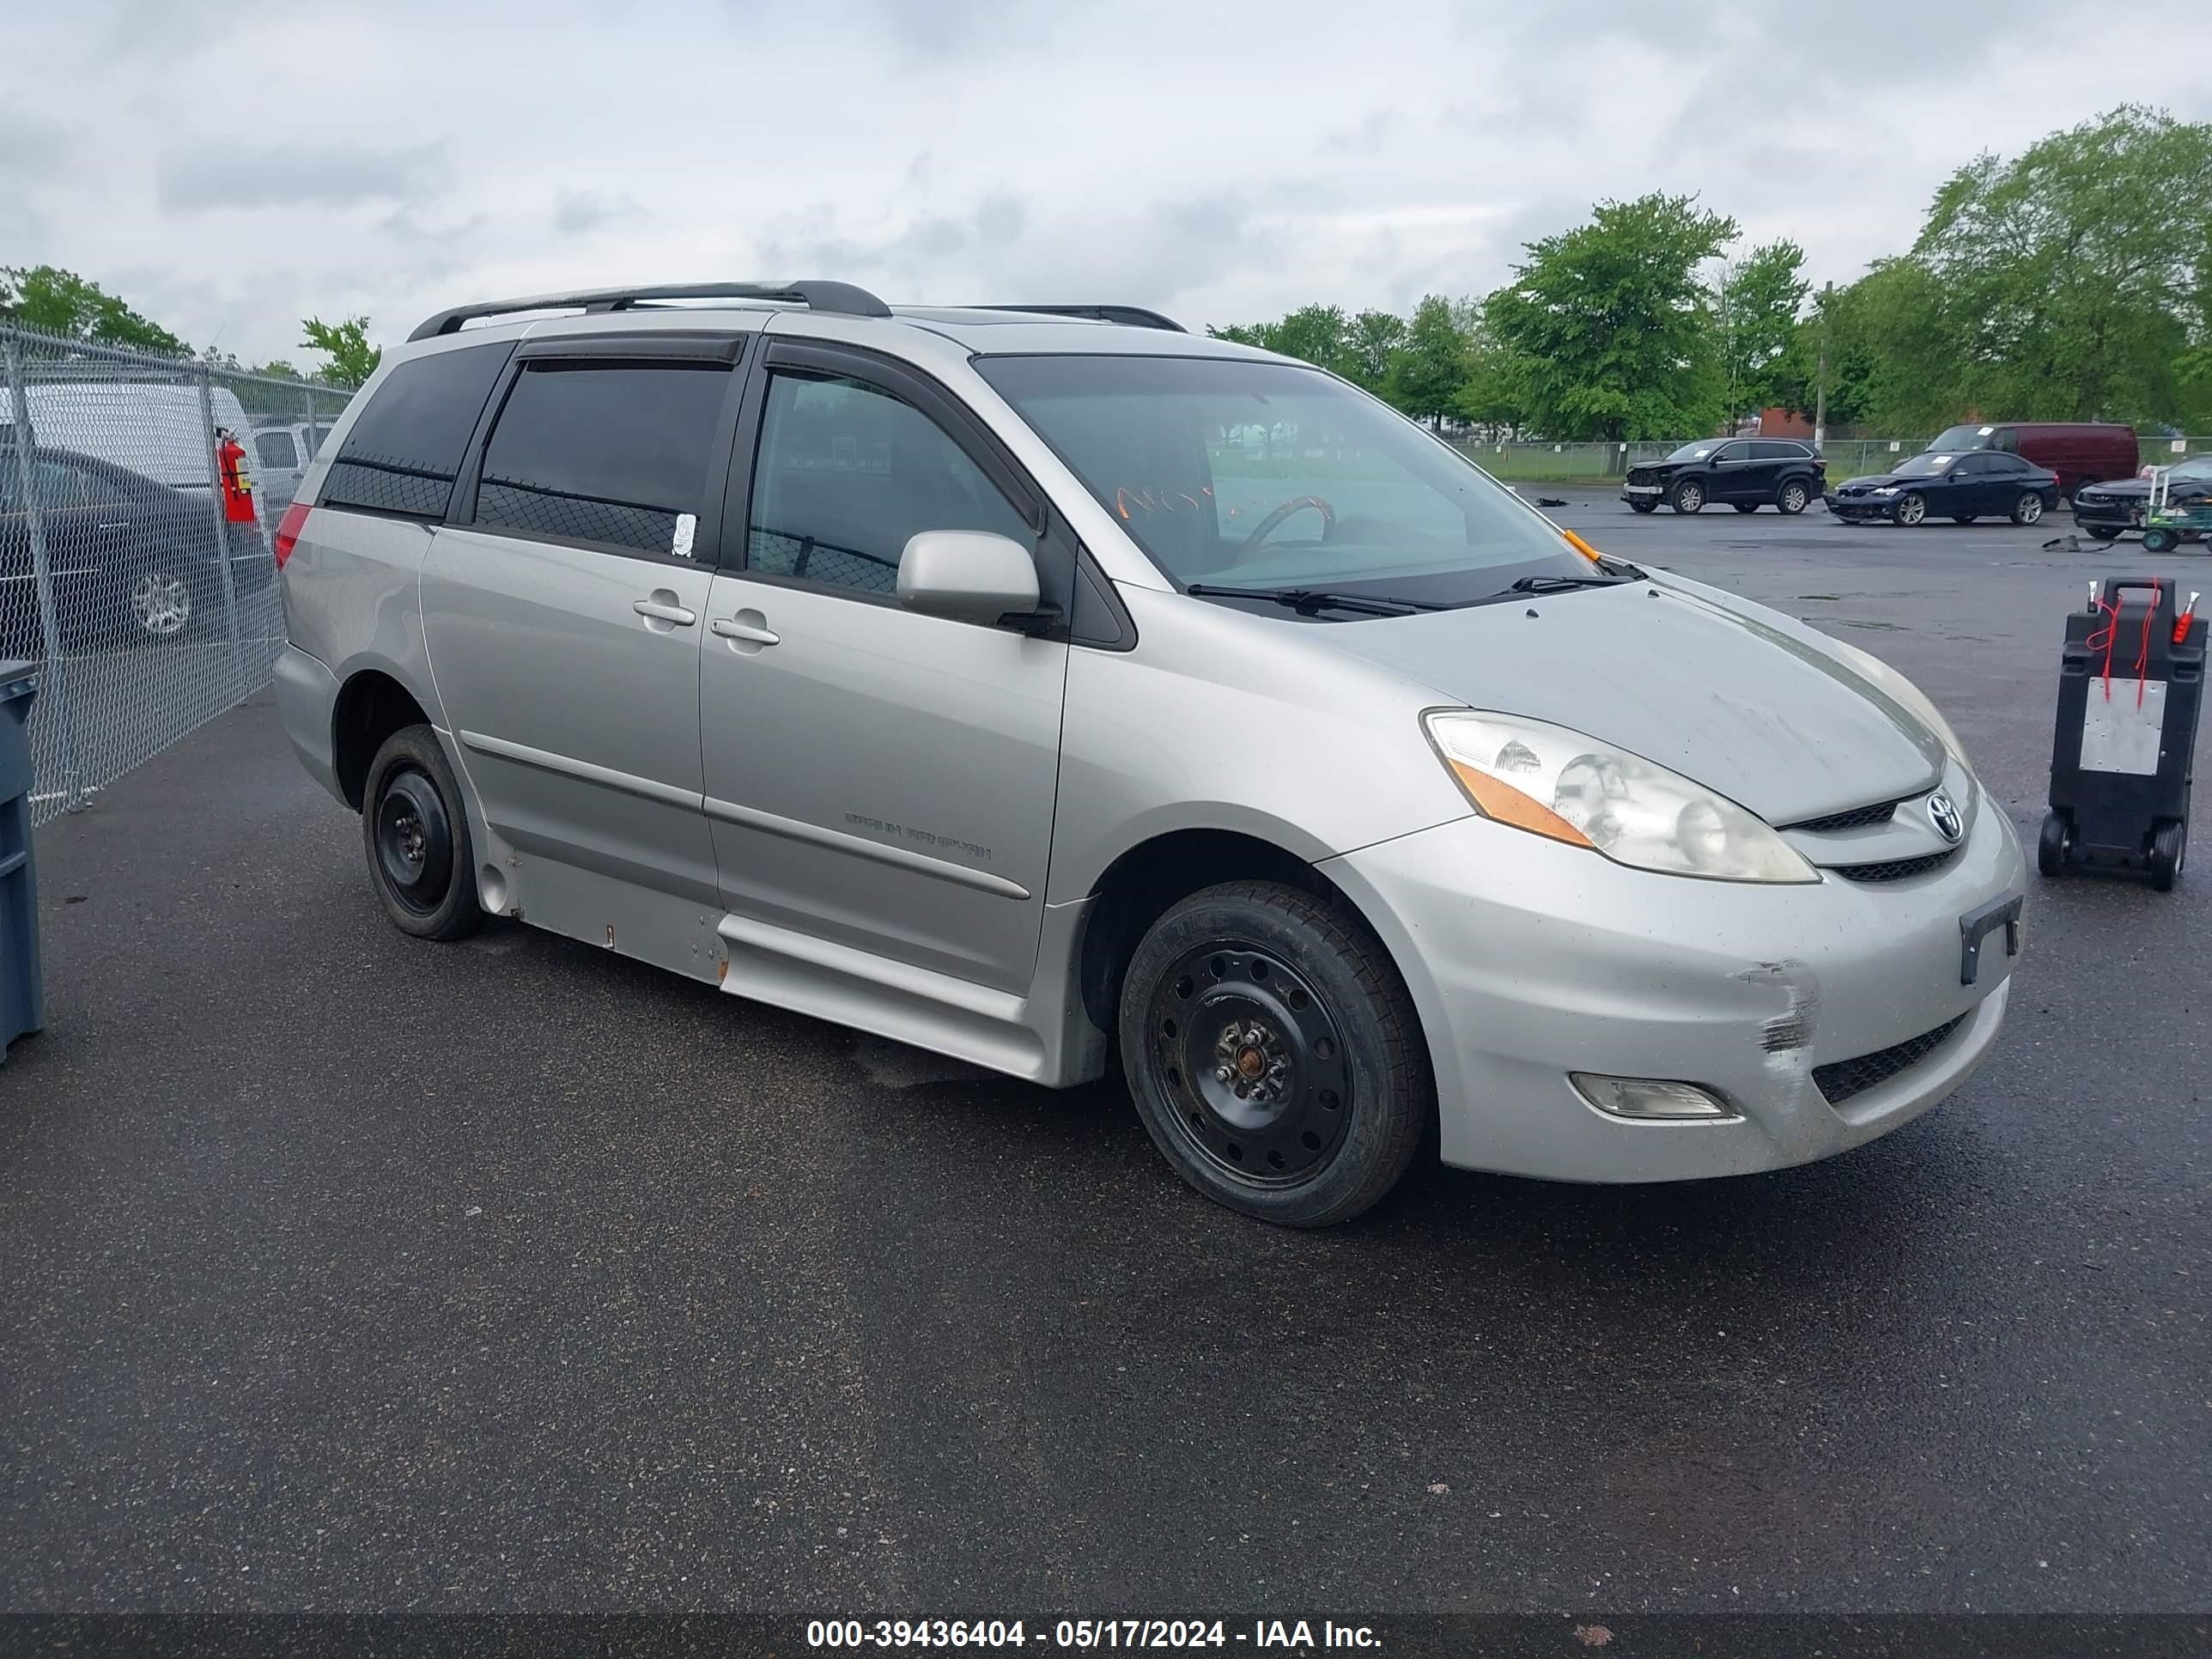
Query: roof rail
(1128, 316)
(842, 297)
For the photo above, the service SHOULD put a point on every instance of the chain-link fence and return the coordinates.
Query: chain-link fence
(1519, 462)
(139, 499)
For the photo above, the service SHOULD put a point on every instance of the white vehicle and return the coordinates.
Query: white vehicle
(159, 431)
(278, 454)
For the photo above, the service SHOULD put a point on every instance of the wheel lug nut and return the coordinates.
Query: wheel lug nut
(1223, 1074)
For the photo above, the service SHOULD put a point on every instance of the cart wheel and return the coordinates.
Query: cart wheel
(2055, 845)
(2159, 541)
(2166, 851)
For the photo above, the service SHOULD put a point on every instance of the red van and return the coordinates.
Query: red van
(2079, 451)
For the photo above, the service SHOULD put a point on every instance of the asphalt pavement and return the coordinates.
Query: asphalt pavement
(345, 1272)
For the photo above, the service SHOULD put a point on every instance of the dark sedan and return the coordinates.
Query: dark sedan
(2104, 510)
(127, 556)
(1746, 473)
(1982, 483)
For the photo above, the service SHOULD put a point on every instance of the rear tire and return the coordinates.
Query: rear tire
(2028, 509)
(1273, 1053)
(1792, 499)
(416, 831)
(2055, 845)
(1689, 496)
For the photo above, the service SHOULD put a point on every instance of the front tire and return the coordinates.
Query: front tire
(2028, 509)
(1911, 508)
(416, 831)
(1792, 499)
(1274, 1054)
(1689, 496)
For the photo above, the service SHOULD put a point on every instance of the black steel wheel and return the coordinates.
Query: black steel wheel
(2168, 845)
(1273, 1053)
(1793, 498)
(418, 838)
(2054, 846)
(1689, 496)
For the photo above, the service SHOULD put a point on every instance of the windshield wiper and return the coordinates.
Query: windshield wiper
(1562, 584)
(1307, 600)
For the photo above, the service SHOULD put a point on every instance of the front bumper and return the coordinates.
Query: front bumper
(1528, 959)
(2108, 515)
(1642, 492)
(1860, 508)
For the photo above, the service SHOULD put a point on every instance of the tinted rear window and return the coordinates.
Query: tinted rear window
(603, 453)
(404, 452)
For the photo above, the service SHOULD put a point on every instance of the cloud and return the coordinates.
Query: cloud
(223, 175)
(578, 213)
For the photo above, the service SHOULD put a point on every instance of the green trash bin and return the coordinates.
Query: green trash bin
(20, 1010)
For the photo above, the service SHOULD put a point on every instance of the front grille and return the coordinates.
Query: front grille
(1897, 869)
(1840, 1081)
(1859, 817)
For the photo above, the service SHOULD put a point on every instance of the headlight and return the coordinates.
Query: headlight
(1551, 782)
(1894, 686)
(1886, 489)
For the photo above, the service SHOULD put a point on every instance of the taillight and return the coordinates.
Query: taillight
(287, 531)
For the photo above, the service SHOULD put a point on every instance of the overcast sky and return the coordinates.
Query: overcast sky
(230, 167)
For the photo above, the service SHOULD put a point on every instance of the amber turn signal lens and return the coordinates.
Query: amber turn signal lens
(1503, 802)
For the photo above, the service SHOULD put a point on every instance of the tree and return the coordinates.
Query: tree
(1374, 337)
(353, 360)
(1428, 367)
(1756, 301)
(61, 302)
(2071, 279)
(1319, 334)
(1489, 393)
(1610, 329)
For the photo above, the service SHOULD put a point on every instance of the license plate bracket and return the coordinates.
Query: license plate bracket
(1978, 925)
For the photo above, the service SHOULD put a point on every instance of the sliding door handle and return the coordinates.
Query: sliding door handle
(745, 626)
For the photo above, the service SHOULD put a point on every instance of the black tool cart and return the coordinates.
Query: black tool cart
(2129, 694)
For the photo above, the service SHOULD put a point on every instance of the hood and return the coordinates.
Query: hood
(2120, 488)
(1871, 480)
(1738, 698)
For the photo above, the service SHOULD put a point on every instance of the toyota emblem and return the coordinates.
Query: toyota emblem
(1945, 816)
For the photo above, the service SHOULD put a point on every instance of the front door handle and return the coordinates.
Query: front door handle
(662, 608)
(747, 625)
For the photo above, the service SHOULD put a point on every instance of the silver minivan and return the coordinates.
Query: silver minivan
(1056, 690)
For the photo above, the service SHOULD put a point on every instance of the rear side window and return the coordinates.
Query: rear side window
(402, 453)
(275, 449)
(1770, 451)
(604, 452)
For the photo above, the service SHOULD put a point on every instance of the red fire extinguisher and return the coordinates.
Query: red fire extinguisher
(237, 487)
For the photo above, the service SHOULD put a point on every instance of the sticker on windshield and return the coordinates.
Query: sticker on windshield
(1985, 431)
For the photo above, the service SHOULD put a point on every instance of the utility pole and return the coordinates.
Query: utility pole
(1820, 381)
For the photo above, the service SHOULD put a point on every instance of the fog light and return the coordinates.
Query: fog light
(1648, 1098)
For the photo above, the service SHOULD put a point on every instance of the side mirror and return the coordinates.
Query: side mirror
(967, 576)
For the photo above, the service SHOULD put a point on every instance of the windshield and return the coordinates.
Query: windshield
(1693, 452)
(1925, 467)
(1964, 437)
(2196, 470)
(1268, 476)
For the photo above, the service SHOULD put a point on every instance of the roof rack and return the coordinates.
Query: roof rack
(1128, 316)
(815, 296)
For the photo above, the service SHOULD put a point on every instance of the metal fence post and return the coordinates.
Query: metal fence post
(227, 588)
(58, 707)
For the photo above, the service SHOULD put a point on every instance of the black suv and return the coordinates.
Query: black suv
(1747, 473)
